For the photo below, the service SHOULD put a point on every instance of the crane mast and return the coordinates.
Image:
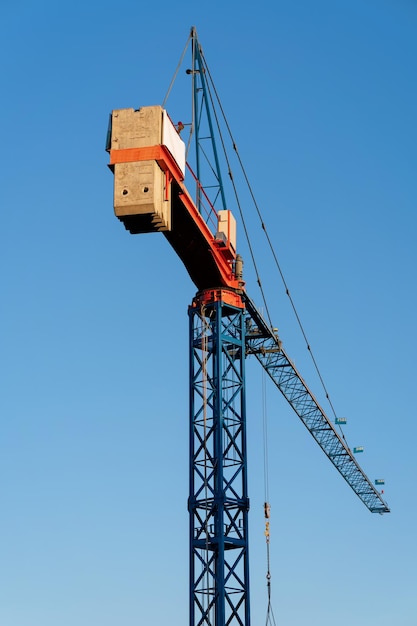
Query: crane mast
(147, 157)
(218, 502)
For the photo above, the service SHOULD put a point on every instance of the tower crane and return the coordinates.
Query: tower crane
(147, 157)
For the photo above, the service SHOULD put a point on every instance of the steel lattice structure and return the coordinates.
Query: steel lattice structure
(266, 346)
(218, 501)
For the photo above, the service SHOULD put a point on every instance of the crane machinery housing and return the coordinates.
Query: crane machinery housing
(148, 159)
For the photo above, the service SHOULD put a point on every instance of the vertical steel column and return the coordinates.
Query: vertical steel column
(201, 105)
(218, 502)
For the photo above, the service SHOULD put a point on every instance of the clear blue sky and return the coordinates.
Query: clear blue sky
(322, 100)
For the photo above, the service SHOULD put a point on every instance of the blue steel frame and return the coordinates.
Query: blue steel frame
(218, 501)
(204, 131)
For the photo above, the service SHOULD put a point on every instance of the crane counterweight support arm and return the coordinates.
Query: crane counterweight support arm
(265, 345)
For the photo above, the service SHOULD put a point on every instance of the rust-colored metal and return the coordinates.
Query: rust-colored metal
(227, 296)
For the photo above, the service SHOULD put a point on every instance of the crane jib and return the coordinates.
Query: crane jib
(264, 344)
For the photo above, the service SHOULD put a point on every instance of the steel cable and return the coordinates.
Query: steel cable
(252, 254)
(287, 291)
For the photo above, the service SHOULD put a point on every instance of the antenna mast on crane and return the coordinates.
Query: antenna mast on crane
(147, 157)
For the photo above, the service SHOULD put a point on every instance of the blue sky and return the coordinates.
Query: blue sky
(321, 98)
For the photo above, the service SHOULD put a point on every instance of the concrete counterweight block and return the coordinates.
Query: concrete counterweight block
(141, 201)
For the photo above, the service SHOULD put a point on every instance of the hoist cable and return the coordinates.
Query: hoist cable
(265, 437)
(267, 509)
(287, 291)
